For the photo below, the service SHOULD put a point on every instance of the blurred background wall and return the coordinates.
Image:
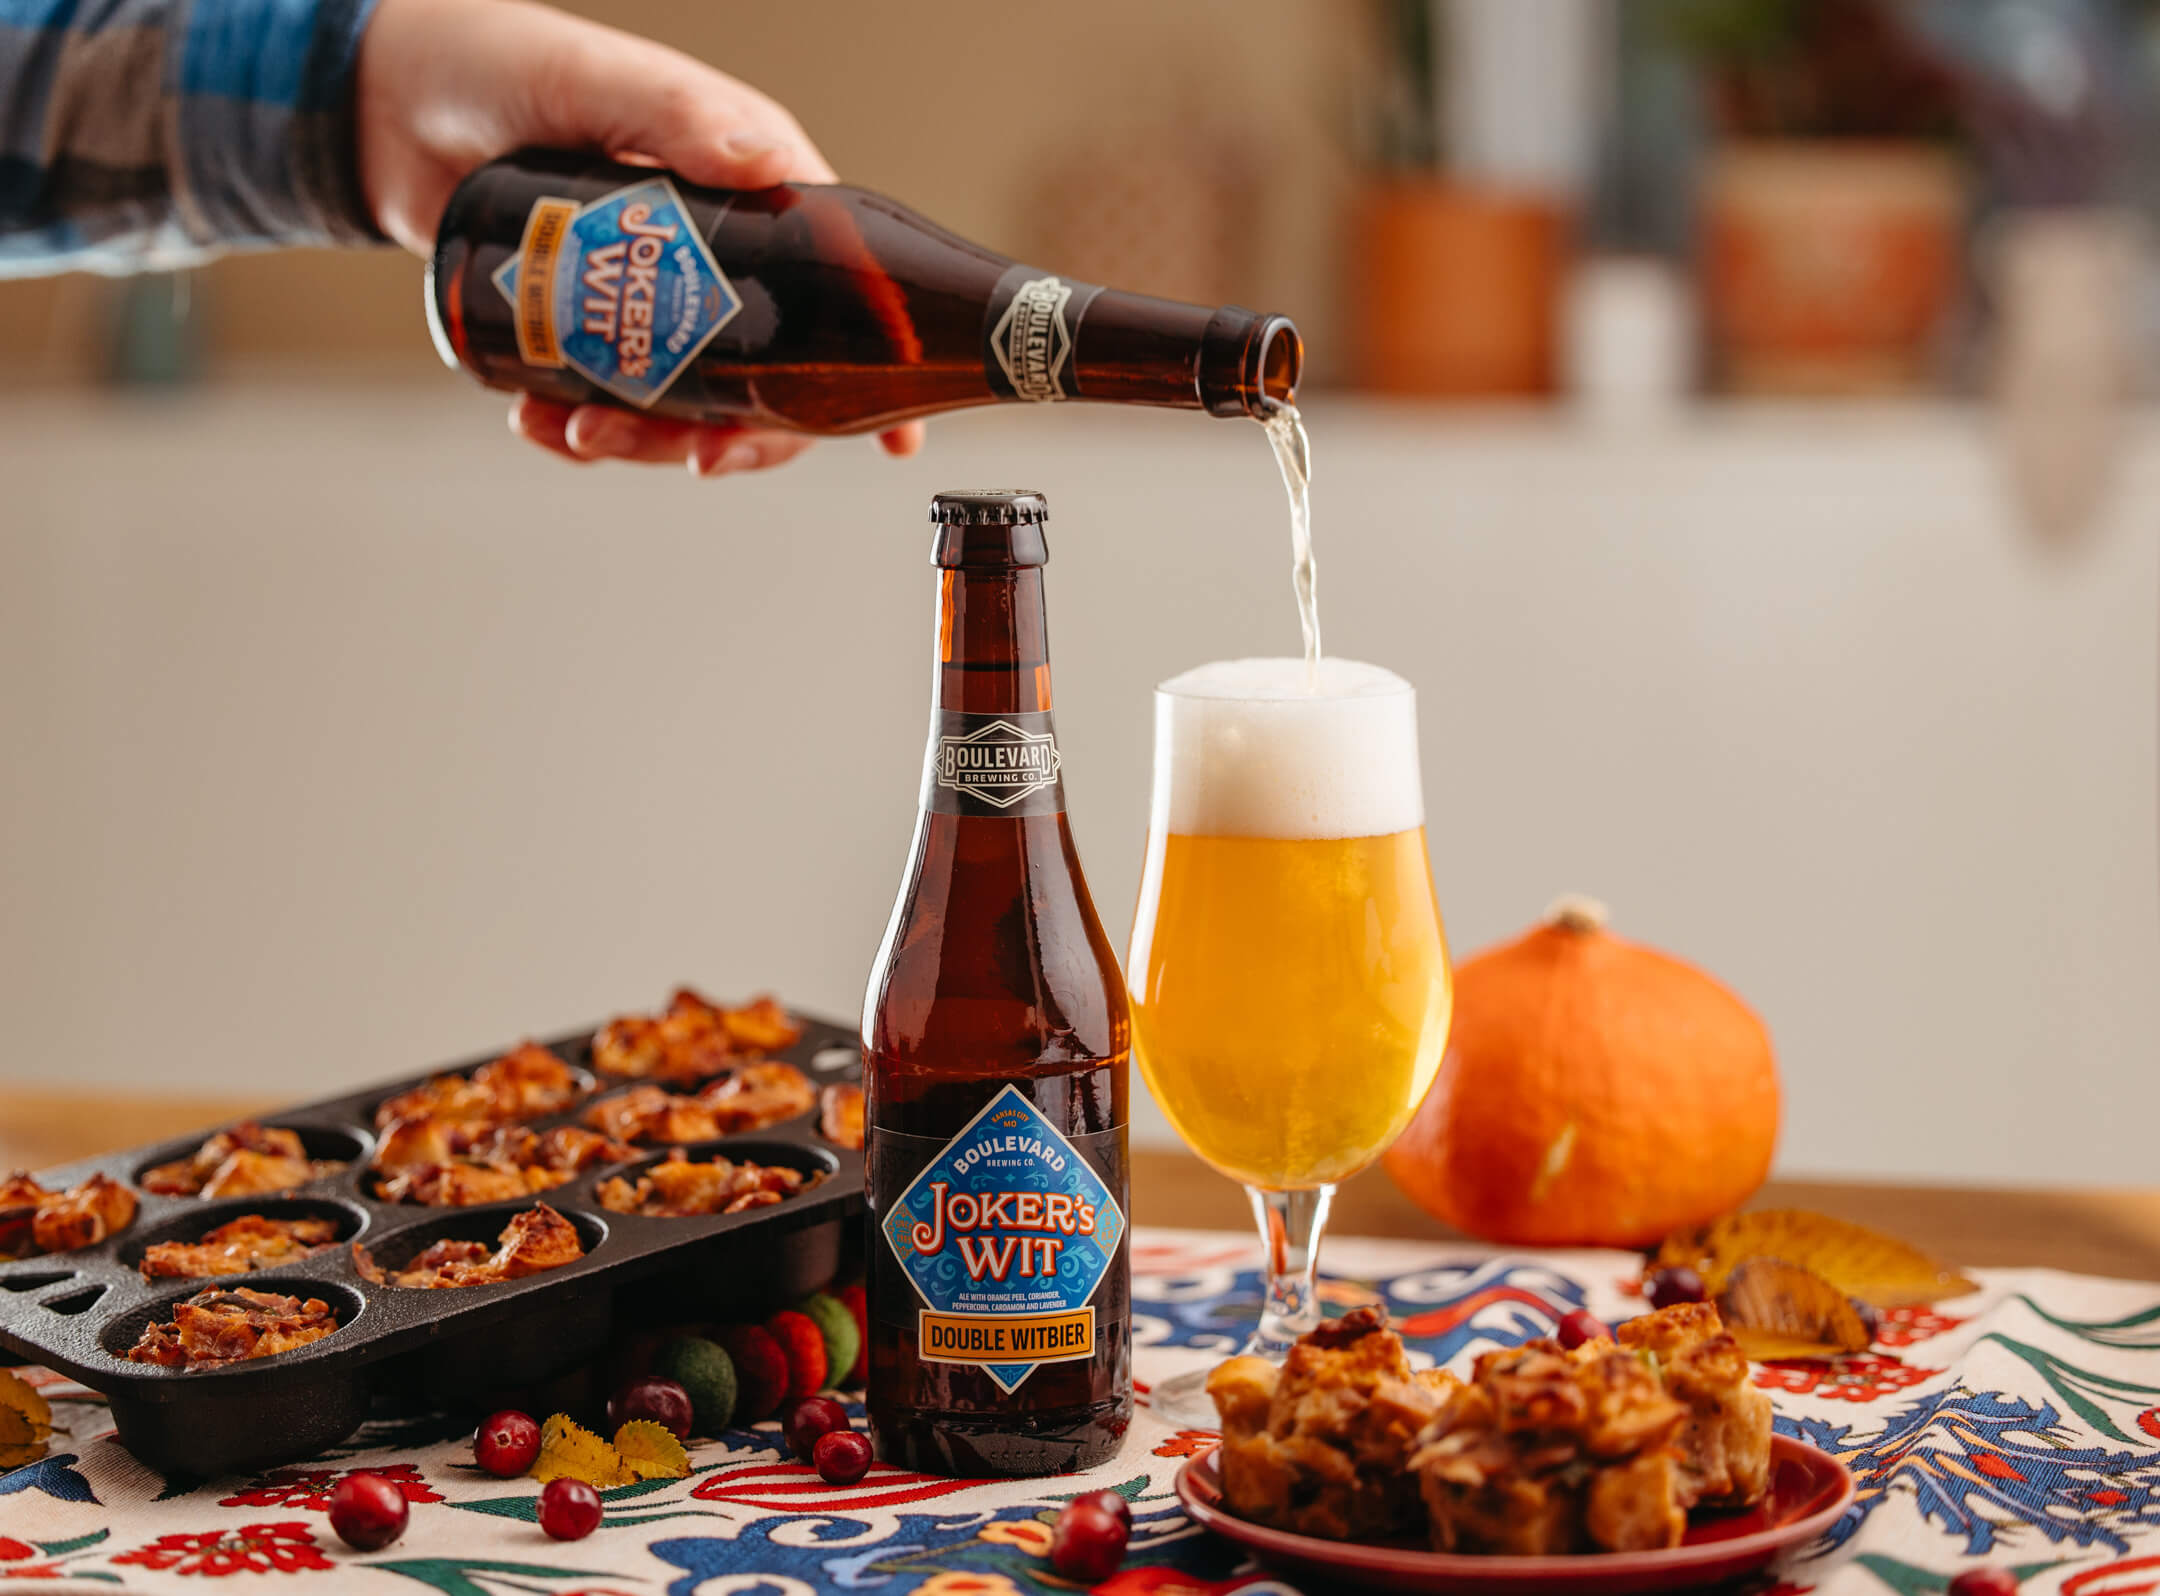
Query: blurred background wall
(1801, 598)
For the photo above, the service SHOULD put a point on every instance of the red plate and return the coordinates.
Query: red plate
(1808, 1490)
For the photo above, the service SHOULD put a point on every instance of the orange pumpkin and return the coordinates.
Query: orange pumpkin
(1594, 1093)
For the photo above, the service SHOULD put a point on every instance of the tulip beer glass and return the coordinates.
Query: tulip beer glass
(1288, 975)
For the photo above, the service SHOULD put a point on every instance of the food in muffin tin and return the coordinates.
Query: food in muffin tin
(35, 1220)
(248, 1160)
(694, 1039)
(532, 1242)
(840, 1115)
(238, 1247)
(528, 1082)
(223, 1325)
(679, 1188)
(747, 1098)
(446, 1165)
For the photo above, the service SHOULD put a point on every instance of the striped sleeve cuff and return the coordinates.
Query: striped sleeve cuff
(261, 94)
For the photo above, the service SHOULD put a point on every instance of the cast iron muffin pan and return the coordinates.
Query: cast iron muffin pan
(79, 1312)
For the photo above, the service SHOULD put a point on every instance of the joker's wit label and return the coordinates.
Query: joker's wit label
(624, 290)
(1005, 1235)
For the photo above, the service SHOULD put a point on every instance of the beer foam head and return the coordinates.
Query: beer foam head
(1250, 748)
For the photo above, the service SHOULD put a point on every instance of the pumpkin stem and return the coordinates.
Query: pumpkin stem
(1575, 912)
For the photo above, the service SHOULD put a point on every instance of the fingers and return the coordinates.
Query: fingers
(589, 433)
(544, 423)
(621, 93)
(902, 441)
(719, 451)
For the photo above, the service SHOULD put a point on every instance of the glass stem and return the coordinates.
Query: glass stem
(1290, 1226)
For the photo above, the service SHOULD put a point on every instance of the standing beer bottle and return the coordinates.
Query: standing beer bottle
(820, 308)
(995, 1042)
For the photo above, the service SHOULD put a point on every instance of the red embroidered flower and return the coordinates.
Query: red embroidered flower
(34, 1571)
(1188, 1443)
(2149, 1421)
(309, 1489)
(1901, 1327)
(12, 1550)
(1861, 1378)
(251, 1549)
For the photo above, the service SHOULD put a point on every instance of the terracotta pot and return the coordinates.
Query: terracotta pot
(1455, 289)
(1829, 266)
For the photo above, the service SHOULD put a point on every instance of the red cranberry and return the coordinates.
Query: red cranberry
(1669, 1287)
(1088, 1543)
(368, 1512)
(1871, 1322)
(662, 1401)
(842, 1456)
(506, 1443)
(1984, 1582)
(569, 1509)
(809, 1421)
(1110, 1502)
(1579, 1328)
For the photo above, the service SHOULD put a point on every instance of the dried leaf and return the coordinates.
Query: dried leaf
(20, 1396)
(651, 1452)
(1860, 1262)
(1777, 1309)
(570, 1450)
(20, 1441)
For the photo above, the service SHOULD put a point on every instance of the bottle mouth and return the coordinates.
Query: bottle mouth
(1250, 363)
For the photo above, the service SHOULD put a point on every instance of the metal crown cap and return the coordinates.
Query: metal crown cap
(989, 507)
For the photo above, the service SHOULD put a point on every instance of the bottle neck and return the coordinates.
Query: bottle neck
(1131, 349)
(993, 641)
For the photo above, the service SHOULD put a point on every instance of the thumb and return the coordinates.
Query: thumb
(629, 96)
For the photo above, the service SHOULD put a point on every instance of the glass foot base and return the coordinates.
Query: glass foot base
(1182, 1401)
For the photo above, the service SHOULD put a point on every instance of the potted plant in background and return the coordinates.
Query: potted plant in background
(1832, 201)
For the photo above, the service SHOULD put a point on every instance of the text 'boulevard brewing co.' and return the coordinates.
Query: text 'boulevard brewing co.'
(995, 1040)
(814, 307)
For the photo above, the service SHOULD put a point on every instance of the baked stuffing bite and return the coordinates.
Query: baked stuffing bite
(694, 1039)
(528, 1082)
(446, 1165)
(35, 1220)
(1544, 1452)
(1724, 1442)
(1321, 1445)
(749, 1097)
(676, 1188)
(533, 1242)
(223, 1325)
(840, 1115)
(238, 1247)
(249, 1160)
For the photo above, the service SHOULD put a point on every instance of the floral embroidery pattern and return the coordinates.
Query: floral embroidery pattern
(1901, 1327)
(1031, 1535)
(251, 1549)
(1187, 1443)
(309, 1489)
(1855, 1379)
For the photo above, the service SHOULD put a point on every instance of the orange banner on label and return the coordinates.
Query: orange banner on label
(1006, 1337)
(545, 225)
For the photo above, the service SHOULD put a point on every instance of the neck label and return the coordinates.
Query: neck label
(1002, 764)
(1028, 335)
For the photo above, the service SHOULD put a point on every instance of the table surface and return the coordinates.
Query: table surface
(2099, 1232)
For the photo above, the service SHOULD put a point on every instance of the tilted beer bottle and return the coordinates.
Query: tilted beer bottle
(807, 306)
(995, 1042)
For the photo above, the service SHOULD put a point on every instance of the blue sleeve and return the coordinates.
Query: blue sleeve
(139, 134)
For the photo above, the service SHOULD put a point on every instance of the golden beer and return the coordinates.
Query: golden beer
(1290, 998)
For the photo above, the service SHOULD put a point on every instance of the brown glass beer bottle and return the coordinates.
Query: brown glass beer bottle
(812, 307)
(995, 1042)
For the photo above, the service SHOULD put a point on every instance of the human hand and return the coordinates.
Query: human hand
(445, 86)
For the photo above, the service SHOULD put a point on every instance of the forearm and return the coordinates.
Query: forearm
(149, 133)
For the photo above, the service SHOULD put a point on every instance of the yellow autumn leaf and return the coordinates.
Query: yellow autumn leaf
(1878, 1269)
(569, 1450)
(651, 1452)
(1776, 1309)
(18, 1395)
(20, 1441)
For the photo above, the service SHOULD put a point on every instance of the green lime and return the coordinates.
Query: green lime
(707, 1373)
(843, 1342)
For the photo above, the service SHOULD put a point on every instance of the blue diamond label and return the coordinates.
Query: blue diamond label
(624, 290)
(1005, 1235)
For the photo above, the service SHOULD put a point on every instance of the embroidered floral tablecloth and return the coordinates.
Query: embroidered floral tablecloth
(2017, 1426)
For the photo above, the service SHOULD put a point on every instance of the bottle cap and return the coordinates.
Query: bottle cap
(989, 507)
(989, 528)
